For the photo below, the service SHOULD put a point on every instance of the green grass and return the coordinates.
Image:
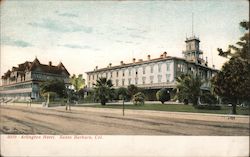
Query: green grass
(172, 108)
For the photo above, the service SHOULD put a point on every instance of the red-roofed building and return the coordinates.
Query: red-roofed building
(22, 82)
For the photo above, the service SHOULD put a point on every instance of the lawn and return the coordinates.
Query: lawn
(172, 108)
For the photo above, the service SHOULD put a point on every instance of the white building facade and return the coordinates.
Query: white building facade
(156, 73)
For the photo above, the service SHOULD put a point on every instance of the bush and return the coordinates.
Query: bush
(163, 95)
(208, 98)
(185, 101)
(208, 107)
(139, 98)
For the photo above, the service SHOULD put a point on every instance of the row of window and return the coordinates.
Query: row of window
(17, 87)
(144, 79)
(130, 71)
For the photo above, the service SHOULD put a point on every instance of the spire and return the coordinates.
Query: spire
(192, 24)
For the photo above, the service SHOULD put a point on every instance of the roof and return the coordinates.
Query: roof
(147, 62)
(31, 66)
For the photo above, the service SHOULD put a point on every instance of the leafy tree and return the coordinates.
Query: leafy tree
(52, 87)
(132, 90)
(139, 97)
(123, 94)
(163, 95)
(77, 82)
(233, 81)
(208, 98)
(103, 90)
(188, 87)
(242, 48)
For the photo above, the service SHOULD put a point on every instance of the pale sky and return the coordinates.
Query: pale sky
(83, 34)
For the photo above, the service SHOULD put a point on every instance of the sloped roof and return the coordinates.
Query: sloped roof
(31, 66)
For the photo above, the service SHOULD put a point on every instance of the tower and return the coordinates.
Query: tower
(193, 52)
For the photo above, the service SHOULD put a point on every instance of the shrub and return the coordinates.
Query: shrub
(163, 95)
(139, 98)
(132, 90)
(185, 101)
(208, 98)
(208, 107)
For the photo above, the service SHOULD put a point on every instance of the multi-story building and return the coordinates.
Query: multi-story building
(23, 82)
(157, 73)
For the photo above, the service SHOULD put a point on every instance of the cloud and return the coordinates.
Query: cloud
(135, 30)
(72, 46)
(68, 15)
(137, 36)
(13, 42)
(57, 26)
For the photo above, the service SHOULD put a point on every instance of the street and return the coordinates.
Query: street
(98, 121)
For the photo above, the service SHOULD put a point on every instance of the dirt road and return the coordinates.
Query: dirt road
(89, 121)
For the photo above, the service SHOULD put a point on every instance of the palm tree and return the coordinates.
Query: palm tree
(123, 94)
(188, 87)
(103, 90)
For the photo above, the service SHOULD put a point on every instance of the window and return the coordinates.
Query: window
(159, 78)
(136, 72)
(123, 82)
(151, 68)
(129, 81)
(89, 77)
(151, 79)
(159, 67)
(129, 72)
(167, 67)
(110, 74)
(117, 82)
(117, 73)
(123, 73)
(136, 80)
(143, 80)
(168, 78)
(144, 70)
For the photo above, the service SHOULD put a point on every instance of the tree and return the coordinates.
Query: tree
(163, 95)
(208, 98)
(103, 90)
(123, 94)
(242, 48)
(139, 97)
(233, 81)
(188, 87)
(77, 82)
(52, 87)
(132, 90)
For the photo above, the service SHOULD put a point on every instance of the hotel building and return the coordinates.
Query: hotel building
(23, 82)
(157, 73)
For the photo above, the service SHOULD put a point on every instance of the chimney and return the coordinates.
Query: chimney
(133, 60)
(165, 54)
(148, 57)
(50, 63)
(161, 56)
(96, 67)
(110, 64)
(121, 62)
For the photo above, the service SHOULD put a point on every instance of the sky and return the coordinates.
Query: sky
(85, 34)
